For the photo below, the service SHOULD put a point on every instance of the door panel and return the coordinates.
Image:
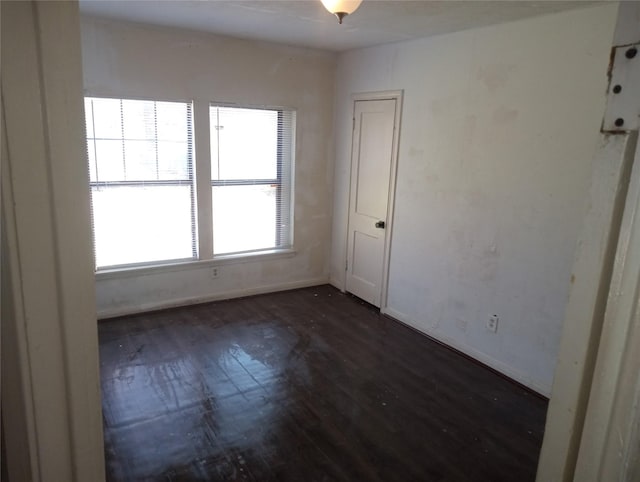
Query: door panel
(371, 160)
(374, 156)
(365, 248)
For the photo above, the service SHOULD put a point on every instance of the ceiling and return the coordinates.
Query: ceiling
(306, 23)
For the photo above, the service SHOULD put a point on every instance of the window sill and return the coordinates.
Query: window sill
(221, 260)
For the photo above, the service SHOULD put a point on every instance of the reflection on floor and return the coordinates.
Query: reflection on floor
(305, 385)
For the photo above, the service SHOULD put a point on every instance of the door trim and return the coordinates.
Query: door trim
(396, 95)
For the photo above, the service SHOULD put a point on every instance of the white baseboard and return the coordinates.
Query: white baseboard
(193, 300)
(336, 283)
(541, 388)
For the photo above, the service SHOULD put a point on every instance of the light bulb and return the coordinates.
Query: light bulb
(341, 8)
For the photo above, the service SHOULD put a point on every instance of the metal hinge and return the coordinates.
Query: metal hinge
(623, 102)
(346, 265)
(353, 127)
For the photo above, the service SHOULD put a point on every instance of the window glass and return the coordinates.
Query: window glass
(134, 224)
(244, 143)
(251, 163)
(109, 160)
(141, 173)
(244, 218)
(107, 118)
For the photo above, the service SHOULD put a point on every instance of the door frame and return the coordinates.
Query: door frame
(593, 418)
(398, 96)
(48, 290)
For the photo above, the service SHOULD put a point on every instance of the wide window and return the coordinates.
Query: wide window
(251, 151)
(141, 175)
(143, 169)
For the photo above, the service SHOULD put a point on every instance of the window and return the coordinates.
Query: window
(141, 176)
(250, 178)
(143, 168)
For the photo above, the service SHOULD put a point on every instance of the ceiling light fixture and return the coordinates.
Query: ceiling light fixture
(341, 8)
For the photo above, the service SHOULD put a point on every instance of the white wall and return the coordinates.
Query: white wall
(498, 129)
(131, 60)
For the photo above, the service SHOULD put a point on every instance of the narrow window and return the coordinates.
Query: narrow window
(251, 172)
(141, 177)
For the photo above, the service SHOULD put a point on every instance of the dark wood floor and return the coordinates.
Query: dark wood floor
(306, 385)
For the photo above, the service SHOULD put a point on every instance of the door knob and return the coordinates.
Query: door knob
(380, 224)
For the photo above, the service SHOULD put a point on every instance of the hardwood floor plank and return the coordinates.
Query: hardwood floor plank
(305, 385)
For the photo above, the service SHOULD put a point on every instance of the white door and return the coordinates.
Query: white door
(372, 156)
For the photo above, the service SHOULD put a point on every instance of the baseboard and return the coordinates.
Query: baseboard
(194, 300)
(336, 283)
(471, 352)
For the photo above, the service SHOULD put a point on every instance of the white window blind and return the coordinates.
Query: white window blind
(251, 172)
(142, 180)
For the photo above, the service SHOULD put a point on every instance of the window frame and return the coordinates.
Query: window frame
(278, 181)
(190, 181)
(201, 194)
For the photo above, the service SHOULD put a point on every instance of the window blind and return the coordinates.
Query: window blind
(251, 178)
(142, 180)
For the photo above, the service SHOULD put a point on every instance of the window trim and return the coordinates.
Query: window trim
(277, 181)
(200, 156)
(189, 181)
(148, 269)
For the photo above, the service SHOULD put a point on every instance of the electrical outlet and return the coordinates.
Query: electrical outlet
(492, 323)
(214, 273)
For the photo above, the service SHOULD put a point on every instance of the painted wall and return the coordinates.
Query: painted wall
(498, 130)
(131, 60)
